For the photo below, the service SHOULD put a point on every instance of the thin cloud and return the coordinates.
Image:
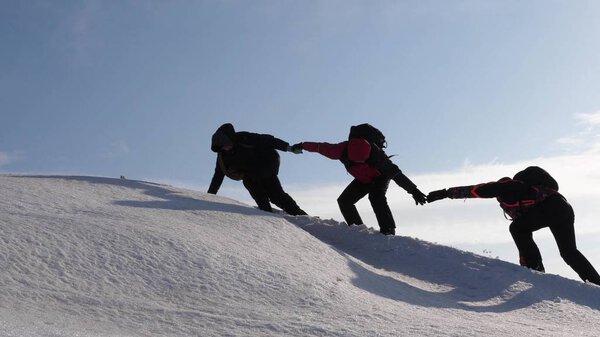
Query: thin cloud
(4, 158)
(7, 157)
(570, 141)
(586, 139)
(589, 119)
(116, 149)
(81, 31)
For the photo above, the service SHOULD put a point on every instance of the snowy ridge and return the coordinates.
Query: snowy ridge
(87, 256)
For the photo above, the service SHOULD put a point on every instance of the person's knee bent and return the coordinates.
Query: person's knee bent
(343, 202)
(378, 198)
(515, 229)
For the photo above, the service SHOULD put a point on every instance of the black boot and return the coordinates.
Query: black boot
(387, 231)
(533, 264)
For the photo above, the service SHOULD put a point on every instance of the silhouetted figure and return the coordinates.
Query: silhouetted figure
(252, 158)
(365, 160)
(532, 201)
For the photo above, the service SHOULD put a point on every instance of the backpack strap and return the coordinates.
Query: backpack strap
(517, 209)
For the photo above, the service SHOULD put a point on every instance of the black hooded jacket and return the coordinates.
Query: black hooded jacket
(252, 154)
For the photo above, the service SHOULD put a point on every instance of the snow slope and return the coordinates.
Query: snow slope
(87, 256)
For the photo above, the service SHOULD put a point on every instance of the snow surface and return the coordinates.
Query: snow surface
(88, 256)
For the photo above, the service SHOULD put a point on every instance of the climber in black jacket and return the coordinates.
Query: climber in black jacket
(531, 199)
(252, 158)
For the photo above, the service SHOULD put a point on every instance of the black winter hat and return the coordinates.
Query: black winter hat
(225, 135)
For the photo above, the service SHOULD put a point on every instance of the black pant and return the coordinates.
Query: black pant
(265, 190)
(555, 213)
(376, 191)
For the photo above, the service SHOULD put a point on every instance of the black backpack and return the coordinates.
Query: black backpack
(543, 184)
(536, 176)
(368, 132)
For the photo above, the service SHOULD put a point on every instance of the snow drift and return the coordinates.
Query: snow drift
(86, 256)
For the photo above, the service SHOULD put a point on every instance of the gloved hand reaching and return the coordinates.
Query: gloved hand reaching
(296, 148)
(419, 197)
(437, 195)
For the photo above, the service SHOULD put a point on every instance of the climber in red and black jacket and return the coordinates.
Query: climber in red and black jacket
(372, 170)
(532, 201)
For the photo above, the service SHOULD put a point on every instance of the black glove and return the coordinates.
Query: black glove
(437, 195)
(296, 148)
(419, 197)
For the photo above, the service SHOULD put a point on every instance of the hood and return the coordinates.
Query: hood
(225, 135)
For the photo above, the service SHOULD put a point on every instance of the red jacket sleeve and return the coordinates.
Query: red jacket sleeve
(331, 151)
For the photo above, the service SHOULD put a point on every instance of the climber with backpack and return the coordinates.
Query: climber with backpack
(253, 159)
(532, 201)
(364, 158)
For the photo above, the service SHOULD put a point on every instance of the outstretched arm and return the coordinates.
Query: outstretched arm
(331, 151)
(262, 140)
(410, 187)
(217, 180)
(486, 190)
(385, 165)
(459, 192)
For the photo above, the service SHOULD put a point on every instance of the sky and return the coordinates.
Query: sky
(461, 89)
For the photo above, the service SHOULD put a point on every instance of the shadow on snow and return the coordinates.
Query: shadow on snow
(169, 199)
(453, 278)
